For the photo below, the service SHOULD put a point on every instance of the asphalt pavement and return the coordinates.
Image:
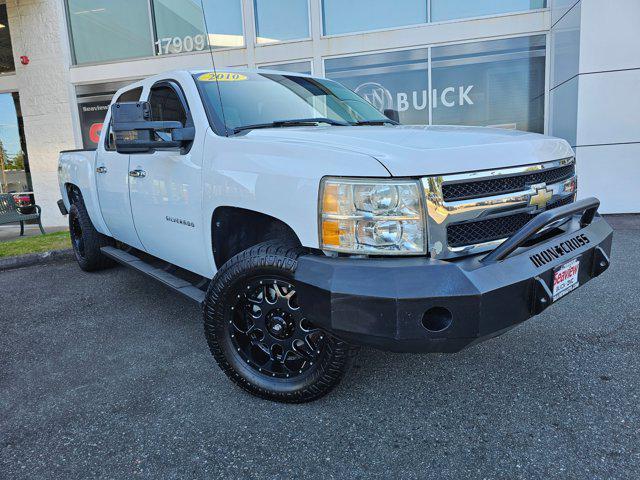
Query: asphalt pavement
(108, 375)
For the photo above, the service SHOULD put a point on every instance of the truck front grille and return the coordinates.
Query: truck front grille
(481, 231)
(508, 184)
(471, 213)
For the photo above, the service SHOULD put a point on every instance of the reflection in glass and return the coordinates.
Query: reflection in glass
(364, 15)
(224, 19)
(107, 30)
(280, 20)
(495, 83)
(263, 98)
(293, 67)
(180, 25)
(93, 103)
(6, 54)
(452, 9)
(389, 81)
(14, 165)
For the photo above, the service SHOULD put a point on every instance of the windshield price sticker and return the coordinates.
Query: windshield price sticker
(222, 77)
(565, 278)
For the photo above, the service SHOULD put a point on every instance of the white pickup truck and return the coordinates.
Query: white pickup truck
(307, 223)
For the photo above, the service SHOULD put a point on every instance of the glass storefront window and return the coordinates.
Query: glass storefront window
(494, 83)
(281, 20)
(108, 30)
(224, 19)
(14, 164)
(180, 25)
(93, 103)
(365, 15)
(451, 9)
(293, 67)
(6, 54)
(389, 81)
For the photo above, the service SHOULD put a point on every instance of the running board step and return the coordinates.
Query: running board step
(169, 280)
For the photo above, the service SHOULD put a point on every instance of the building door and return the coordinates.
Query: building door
(112, 180)
(166, 194)
(14, 162)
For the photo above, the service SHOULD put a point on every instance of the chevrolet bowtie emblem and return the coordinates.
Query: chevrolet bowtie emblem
(541, 198)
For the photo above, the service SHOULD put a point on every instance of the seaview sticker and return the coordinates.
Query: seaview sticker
(222, 77)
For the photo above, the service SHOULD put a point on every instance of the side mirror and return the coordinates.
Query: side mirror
(134, 130)
(392, 115)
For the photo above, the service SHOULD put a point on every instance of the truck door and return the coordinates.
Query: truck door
(112, 180)
(166, 187)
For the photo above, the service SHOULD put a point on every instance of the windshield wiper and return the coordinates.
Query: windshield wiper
(297, 122)
(376, 122)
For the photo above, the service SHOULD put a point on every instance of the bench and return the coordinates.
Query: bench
(9, 213)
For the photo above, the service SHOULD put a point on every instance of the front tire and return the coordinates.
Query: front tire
(260, 336)
(86, 240)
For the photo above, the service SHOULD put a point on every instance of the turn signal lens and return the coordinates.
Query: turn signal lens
(330, 199)
(375, 217)
(331, 232)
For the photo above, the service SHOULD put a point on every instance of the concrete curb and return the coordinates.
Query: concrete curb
(31, 259)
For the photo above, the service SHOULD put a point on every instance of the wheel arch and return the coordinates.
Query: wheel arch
(73, 193)
(235, 229)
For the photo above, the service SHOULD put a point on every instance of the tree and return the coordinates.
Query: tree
(18, 161)
(3, 159)
(3, 153)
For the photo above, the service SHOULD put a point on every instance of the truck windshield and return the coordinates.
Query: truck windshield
(258, 100)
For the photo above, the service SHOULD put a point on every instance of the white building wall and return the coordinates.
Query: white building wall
(594, 101)
(43, 84)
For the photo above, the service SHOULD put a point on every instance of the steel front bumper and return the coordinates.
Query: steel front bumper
(426, 305)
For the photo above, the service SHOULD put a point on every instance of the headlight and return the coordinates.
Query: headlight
(374, 217)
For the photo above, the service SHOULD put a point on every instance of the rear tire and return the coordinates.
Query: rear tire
(86, 240)
(259, 335)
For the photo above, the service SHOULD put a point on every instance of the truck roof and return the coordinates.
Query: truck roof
(247, 70)
(178, 73)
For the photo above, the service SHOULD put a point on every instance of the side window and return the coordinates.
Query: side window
(166, 106)
(132, 95)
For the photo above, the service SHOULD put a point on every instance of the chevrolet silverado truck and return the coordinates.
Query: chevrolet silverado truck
(307, 223)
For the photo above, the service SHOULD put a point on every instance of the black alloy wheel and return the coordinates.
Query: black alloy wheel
(260, 335)
(270, 332)
(86, 240)
(75, 231)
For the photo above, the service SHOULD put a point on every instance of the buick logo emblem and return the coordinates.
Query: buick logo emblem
(376, 95)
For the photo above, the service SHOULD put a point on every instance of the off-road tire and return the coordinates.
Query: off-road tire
(86, 240)
(274, 260)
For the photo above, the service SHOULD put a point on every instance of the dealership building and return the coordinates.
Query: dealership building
(568, 68)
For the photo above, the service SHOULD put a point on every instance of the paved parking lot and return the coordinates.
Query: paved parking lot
(108, 376)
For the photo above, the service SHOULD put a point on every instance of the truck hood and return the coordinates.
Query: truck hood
(423, 150)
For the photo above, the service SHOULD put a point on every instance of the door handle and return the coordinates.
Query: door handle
(101, 169)
(137, 173)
